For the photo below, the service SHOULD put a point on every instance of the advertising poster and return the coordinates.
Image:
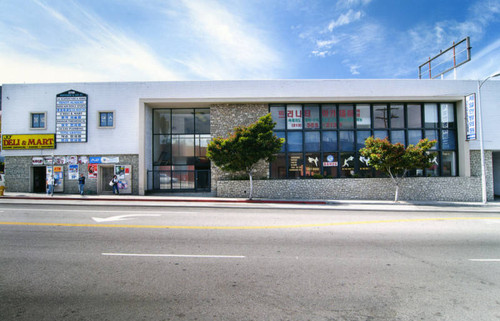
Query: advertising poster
(83, 160)
(120, 171)
(59, 160)
(73, 160)
(123, 172)
(92, 168)
(73, 172)
(58, 173)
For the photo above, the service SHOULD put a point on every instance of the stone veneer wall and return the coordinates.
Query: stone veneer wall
(475, 170)
(223, 119)
(457, 189)
(18, 174)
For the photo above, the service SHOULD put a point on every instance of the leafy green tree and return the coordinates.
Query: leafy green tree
(245, 147)
(396, 160)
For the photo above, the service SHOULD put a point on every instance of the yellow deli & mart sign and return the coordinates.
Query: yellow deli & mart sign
(40, 141)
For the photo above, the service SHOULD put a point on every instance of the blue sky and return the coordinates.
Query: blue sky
(157, 40)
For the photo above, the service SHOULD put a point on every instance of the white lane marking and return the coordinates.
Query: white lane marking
(121, 217)
(484, 260)
(176, 255)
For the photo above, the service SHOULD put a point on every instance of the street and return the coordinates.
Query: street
(102, 262)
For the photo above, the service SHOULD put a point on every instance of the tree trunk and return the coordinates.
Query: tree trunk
(396, 182)
(251, 185)
(396, 196)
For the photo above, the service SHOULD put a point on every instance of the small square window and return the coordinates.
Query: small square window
(38, 121)
(107, 119)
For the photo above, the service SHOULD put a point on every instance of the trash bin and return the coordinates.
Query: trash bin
(2, 189)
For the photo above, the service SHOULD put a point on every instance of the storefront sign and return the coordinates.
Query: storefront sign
(40, 141)
(37, 161)
(104, 160)
(71, 117)
(470, 117)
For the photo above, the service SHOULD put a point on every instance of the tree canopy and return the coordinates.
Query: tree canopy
(395, 159)
(246, 146)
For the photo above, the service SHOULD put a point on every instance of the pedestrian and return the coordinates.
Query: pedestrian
(81, 183)
(115, 185)
(50, 185)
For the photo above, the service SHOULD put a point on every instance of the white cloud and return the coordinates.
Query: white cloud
(345, 19)
(321, 54)
(354, 69)
(342, 4)
(327, 43)
(229, 47)
(82, 48)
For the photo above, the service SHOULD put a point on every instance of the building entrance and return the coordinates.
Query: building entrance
(105, 175)
(39, 179)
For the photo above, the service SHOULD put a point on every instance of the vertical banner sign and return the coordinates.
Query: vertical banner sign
(470, 117)
(71, 117)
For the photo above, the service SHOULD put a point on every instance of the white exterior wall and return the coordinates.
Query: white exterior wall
(19, 100)
(132, 101)
(490, 104)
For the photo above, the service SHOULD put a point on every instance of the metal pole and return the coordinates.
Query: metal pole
(483, 167)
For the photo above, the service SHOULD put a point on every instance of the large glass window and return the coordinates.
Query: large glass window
(329, 117)
(294, 117)
(330, 165)
(182, 121)
(362, 135)
(346, 116)
(202, 121)
(380, 117)
(278, 115)
(334, 134)
(414, 116)
(180, 140)
(313, 164)
(311, 142)
(431, 116)
(397, 116)
(347, 140)
(329, 141)
(311, 117)
(363, 116)
(294, 141)
(295, 165)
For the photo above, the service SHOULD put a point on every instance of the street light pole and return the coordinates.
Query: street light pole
(481, 140)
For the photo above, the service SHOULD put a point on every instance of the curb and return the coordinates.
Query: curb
(84, 198)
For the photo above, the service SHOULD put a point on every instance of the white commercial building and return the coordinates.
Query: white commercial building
(153, 136)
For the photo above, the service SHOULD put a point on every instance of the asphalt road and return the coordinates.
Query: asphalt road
(222, 263)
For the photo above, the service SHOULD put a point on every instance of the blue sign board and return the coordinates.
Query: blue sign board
(470, 117)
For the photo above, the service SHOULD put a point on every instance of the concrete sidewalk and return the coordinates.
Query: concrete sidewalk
(195, 201)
